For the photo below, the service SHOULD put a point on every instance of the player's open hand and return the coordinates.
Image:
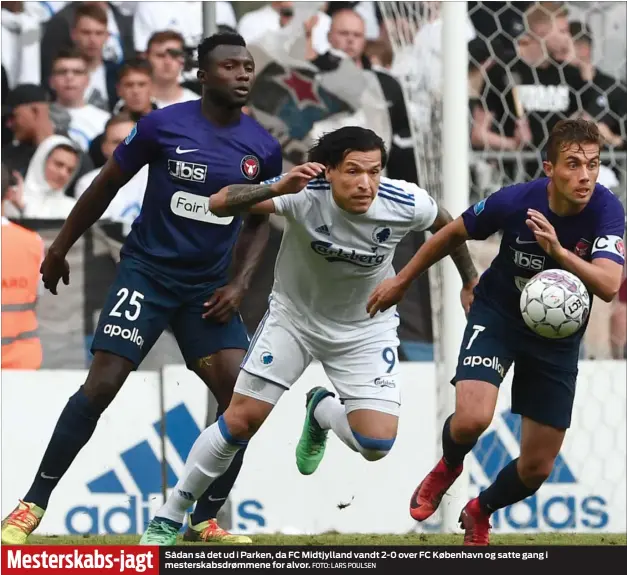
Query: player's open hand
(53, 268)
(545, 233)
(388, 293)
(223, 303)
(298, 177)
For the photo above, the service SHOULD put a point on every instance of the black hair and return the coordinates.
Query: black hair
(333, 147)
(212, 42)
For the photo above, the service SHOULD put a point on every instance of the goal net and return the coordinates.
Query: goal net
(529, 65)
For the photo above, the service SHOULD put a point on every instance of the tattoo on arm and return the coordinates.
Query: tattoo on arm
(242, 196)
(461, 256)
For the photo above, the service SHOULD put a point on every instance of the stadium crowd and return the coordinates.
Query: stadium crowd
(76, 76)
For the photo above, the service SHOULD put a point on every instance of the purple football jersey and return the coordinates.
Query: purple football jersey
(190, 159)
(596, 232)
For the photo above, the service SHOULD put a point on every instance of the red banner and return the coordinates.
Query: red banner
(35, 559)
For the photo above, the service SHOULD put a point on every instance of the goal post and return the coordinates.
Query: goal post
(455, 197)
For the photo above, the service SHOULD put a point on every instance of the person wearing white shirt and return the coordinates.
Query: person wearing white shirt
(127, 204)
(69, 80)
(166, 56)
(89, 34)
(254, 25)
(183, 17)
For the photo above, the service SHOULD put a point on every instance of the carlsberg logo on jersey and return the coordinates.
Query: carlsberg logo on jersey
(336, 254)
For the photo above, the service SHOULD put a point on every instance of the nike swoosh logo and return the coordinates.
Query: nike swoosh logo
(211, 498)
(180, 151)
(44, 476)
(521, 242)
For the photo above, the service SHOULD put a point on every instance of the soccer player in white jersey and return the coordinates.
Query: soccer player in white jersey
(343, 223)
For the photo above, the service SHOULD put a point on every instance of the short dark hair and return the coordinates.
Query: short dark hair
(90, 10)
(65, 148)
(135, 65)
(165, 36)
(333, 147)
(68, 54)
(121, 118)
(212, 42)
(567, 132)
(580, 32)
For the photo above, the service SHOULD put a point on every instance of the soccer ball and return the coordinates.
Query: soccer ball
(554, 303)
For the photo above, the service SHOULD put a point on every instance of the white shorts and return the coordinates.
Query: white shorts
(364, 369)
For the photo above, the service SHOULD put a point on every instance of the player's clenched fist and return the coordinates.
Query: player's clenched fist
(388, 293)
(53, 268)
(298, 177)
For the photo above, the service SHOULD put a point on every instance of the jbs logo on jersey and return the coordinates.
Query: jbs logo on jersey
(187, 171)
(196, 207)
(528, 261)
(336, 254)
(131, 335)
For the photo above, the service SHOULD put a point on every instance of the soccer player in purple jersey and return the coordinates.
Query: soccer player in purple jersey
(174, 266)
(565, 221)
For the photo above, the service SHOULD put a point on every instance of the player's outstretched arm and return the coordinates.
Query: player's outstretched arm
(257, 198)
(602, 276)
(443, 243)
(87, 211)
(460, 255)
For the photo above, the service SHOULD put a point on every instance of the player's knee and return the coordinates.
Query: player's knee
(534, 471)
(468, 426)
(106, 377)
(245, 416)
(371, 448)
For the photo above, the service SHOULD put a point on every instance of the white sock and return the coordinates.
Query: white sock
(331, 414)
(210, 457)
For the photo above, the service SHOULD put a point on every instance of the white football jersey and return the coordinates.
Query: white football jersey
(330, 261)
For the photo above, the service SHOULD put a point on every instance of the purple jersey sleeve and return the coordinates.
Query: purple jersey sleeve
(273, 164)
(139, 147)
(487, 216)
(610, 232)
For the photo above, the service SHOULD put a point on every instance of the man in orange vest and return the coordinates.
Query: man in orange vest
(22, 253)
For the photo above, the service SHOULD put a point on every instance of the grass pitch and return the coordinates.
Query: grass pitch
(358, 539)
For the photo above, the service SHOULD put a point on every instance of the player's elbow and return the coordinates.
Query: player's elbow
(608, 293)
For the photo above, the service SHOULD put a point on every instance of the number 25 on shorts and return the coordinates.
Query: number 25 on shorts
(134, 304)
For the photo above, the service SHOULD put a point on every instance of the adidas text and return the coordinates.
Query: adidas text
(336, 254)
(491, 362)
(131, 335)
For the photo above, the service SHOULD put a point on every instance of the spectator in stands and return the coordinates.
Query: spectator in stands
(127, 203)
(28, 112)
(534, 85)
(605, 96)
(20, 44)
(484, 131)
(22, 253)
(166, 56)
(69, 80)
(380, 54)
(90, 33)
(182, 17)
(57, 35)
(54, 165)
(348, 40)
(134, 89)
(254, 25)
(618, 323)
